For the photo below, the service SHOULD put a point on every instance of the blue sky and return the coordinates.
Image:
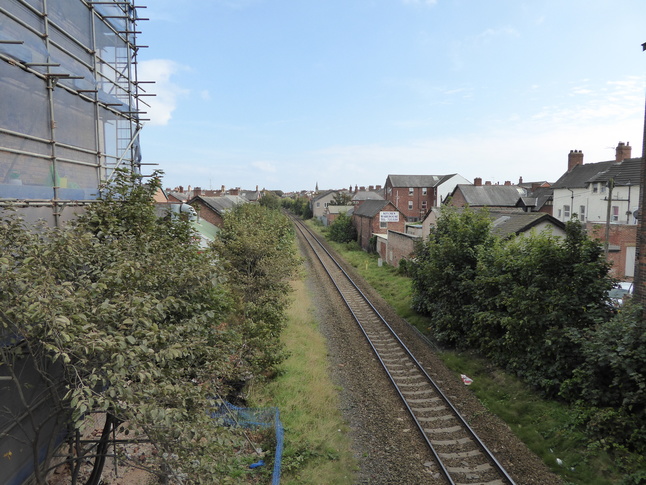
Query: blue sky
(285, 94)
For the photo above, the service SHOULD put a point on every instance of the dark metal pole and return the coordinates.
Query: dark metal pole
(639, 286)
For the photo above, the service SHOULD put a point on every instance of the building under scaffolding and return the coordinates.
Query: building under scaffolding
(69, 101)
(69, 116)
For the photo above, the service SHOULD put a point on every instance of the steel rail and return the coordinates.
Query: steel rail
(446, 471)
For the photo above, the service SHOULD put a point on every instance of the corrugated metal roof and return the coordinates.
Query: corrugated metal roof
(491, 195)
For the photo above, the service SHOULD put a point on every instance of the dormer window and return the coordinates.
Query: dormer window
(595, 188)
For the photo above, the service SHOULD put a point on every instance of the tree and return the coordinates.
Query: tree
(341, 198)
(610, 385)
(270, 199)
(138, 320)
(342, 230)
(256, 246)
(445, 269)
(535, 295)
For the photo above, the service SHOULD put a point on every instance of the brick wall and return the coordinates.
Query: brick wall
(620, 236)
(458, 199)
(208, 214)
(399, 246)
(367, 226)
(401, 198)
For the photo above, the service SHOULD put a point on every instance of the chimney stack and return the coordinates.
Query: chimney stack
(520, 180)
(477, 181)
(622, 151)
(197, 191)
(574, 158)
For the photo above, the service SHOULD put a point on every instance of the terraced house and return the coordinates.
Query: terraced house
(605, 196)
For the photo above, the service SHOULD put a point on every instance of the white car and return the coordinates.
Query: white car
(620, 291)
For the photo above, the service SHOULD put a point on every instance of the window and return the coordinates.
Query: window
(595, 188)
(582, 213)
(383, 225)
(603, 188)
(566, 211)
(411, 190)
(615, 213)
(318, 204)
(424, 191)
(559, 213)
(424, 204)
(410, 205)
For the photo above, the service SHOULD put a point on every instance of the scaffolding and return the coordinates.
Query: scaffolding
(71, 103)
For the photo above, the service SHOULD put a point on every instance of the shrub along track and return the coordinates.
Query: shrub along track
(387, 444)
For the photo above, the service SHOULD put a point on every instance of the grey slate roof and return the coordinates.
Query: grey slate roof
(417, 180)
(370, 208)
(223, 203)
(491, 195)
(323, 194)
(508, 223)
(580, 175)
(623, 173)
(538, 197)
(366, 195)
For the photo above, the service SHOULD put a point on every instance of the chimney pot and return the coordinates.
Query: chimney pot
(574, 158)
(622, 151)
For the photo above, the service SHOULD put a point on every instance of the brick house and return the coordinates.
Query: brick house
(414, 195)
(492, 196)
(368, 221)
(212, 209)
(332, 212)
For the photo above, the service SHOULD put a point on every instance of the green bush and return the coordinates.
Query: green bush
(342, 230)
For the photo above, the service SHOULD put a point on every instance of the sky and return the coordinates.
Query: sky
(294, 94)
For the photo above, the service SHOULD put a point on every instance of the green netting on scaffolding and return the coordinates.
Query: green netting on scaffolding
(231, 415)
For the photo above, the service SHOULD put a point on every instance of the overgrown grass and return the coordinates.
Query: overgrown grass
(547, 427)
(317, 447)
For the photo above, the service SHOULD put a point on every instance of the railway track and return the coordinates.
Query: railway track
(462, 458)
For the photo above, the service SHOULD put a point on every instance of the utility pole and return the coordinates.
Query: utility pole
(639, 286)
(610, 184)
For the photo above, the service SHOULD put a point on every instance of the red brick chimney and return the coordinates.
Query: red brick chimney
(197, 191)
(622, 151)
(520, 180)
(574, 158)
(477, 181)
(507, 183)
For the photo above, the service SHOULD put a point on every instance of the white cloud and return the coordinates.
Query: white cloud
(264, 166)
(166, 92)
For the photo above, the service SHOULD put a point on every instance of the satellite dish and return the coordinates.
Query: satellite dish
(636, 214)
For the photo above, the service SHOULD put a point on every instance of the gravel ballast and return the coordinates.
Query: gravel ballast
(387, 445)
